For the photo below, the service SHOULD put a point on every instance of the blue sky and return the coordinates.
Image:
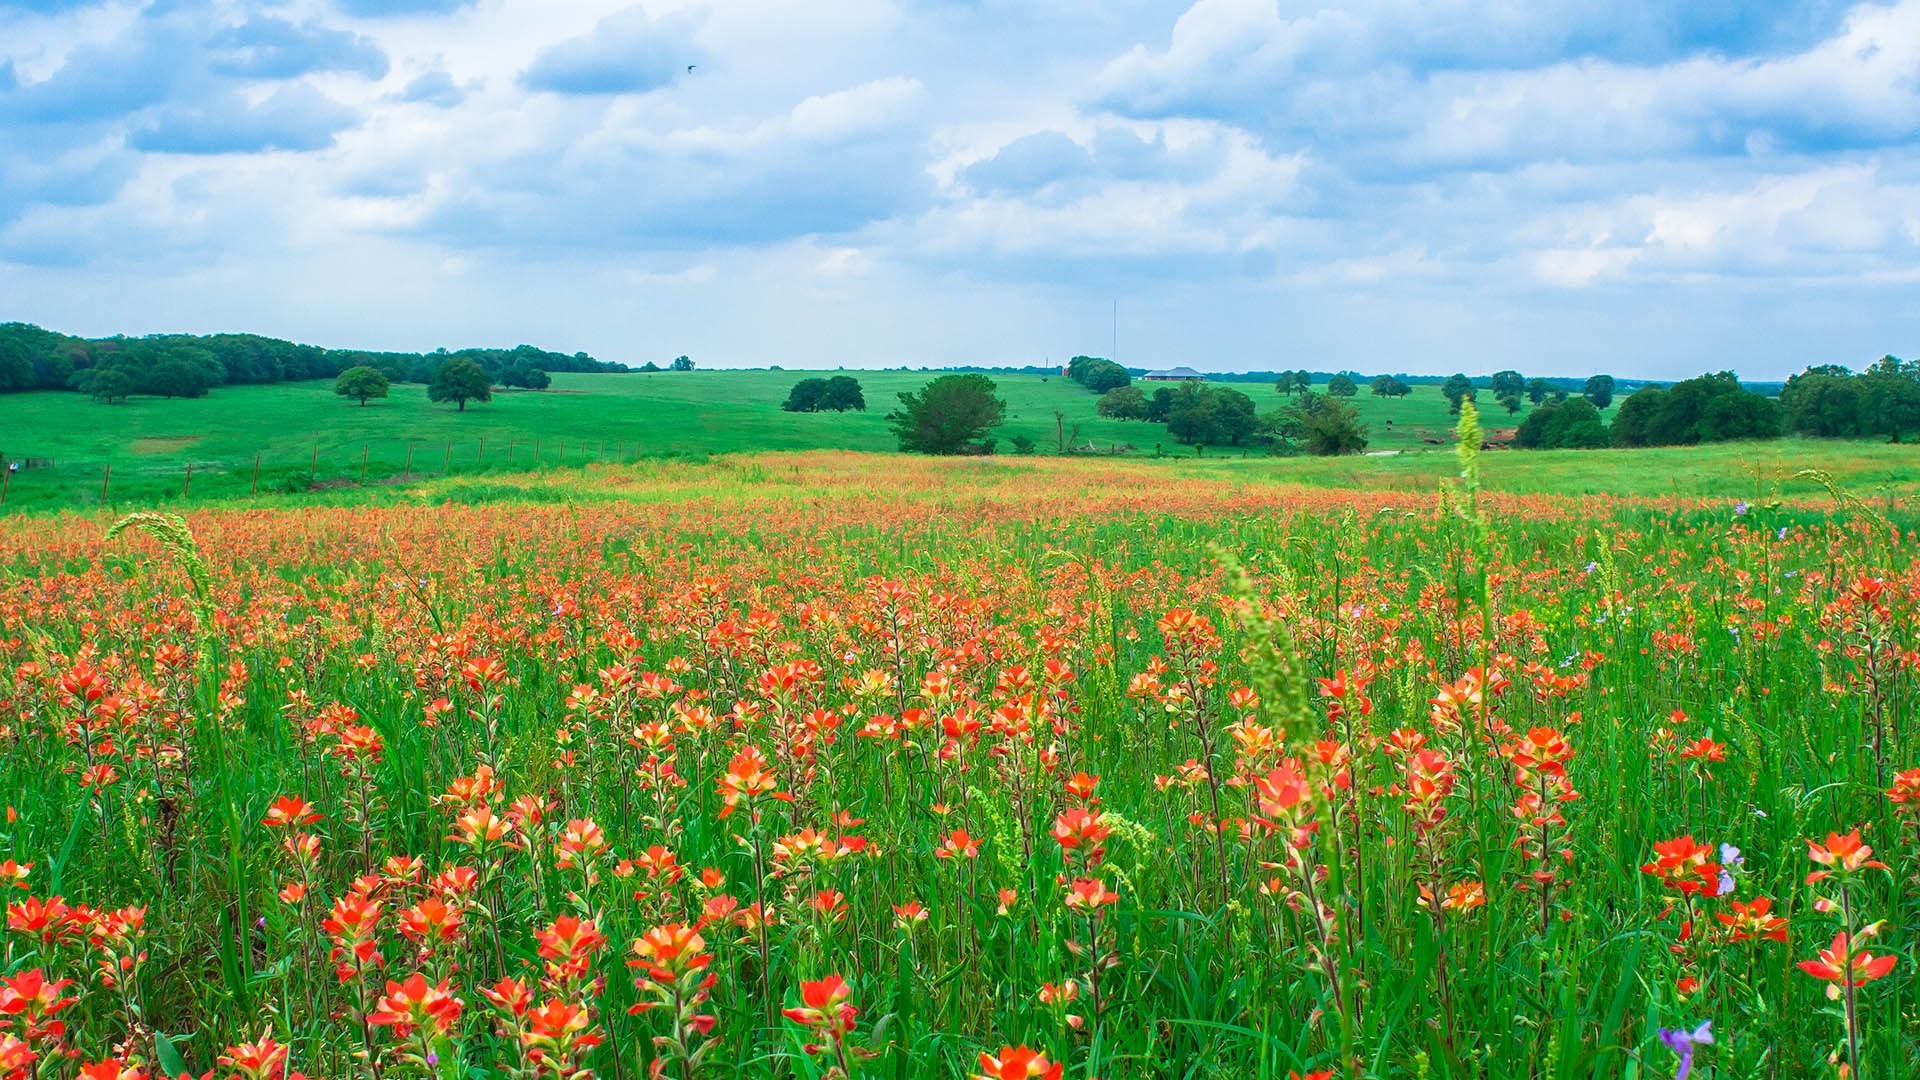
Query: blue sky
(1561, 186)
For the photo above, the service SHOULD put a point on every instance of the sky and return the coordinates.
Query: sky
(1643, 187)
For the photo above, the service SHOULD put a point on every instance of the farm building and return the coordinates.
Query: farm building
(1174, 374)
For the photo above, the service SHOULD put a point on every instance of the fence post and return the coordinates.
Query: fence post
(188, 486)
(314, 465)
(256, 475)
(363, 463)
(536, 449)
(482, 457)
(6, 477)
(105, 479)
(447, 465)
(409, 469)
(510, 441)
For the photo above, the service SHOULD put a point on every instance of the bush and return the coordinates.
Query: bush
(1341, 386)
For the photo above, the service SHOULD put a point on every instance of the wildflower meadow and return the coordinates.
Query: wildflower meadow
(963, 769)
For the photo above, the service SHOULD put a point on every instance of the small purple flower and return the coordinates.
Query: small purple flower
(1683, 1042)
(1730, 860)
(1740, 507)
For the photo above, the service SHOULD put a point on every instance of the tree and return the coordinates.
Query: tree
(1507, 383)
(1284, 383)
(1210, 415)
(176, 377)
(1512, 403)
(843, 393)
(1824, 403)
(460, 380)
(950, 415)
(109, 386)
(1599, 390)
(361, 383)
(526, 378)
(1123, 403)
(837, 394)
(1890, 405)
(1160, 405)
(649, 366)
(681, 363)
(1190, 415)
(1096, 374)
(1341, 386)
(805, 396)
(1333, 427)
(1458, 388)
(1633, 424)
(1538, 389)
(1389, 386)
(1707, 408)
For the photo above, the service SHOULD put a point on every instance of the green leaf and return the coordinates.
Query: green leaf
(167, 1056)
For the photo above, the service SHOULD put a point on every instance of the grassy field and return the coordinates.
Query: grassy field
(302, 432)
(827, 763)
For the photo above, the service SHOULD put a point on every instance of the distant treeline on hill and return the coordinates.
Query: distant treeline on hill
(188, 365)
(1571, 385)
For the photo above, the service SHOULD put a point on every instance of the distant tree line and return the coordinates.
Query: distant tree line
(1201, 414)
(188, 365)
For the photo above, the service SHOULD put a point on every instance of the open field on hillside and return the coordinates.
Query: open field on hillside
(775, 765)
(303, 434)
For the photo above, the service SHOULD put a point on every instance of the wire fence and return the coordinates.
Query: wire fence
(170, 473)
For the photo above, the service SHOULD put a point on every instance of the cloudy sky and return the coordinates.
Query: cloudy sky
(1640, 186)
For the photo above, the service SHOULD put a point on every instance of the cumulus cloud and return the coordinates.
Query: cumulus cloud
(271, 48)
(831, 163)
(1029, 163)
(433, 88)
(291, 118)
(627, 53)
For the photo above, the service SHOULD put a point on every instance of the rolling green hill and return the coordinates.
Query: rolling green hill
(302, 431)
(305, 438)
